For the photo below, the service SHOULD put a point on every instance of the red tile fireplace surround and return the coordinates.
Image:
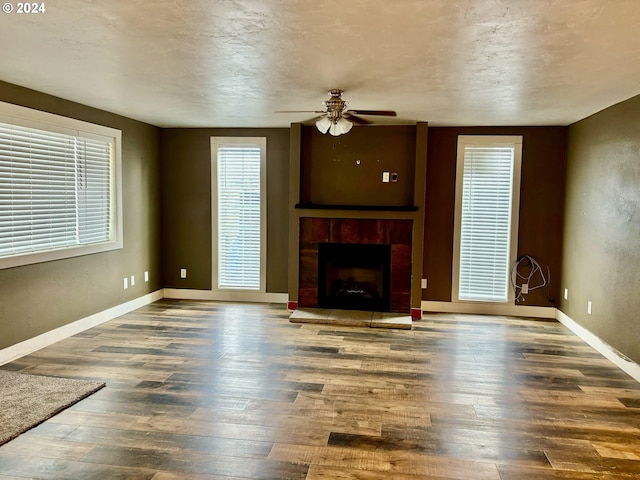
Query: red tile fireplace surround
(394, 232)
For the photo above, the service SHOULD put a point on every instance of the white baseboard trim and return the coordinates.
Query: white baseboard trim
(21, 349)
(225, 296)
(621, 361)
(618, 359)
(489, 309)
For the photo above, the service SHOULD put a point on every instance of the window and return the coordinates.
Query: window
(486, 216)
(59, 187)
(239, 223)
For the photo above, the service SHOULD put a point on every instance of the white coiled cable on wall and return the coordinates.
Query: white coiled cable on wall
(529, 270)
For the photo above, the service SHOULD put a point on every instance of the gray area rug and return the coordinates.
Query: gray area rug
(28, 400)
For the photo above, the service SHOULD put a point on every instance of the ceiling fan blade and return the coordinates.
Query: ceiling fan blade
(299, 111)
(356, 119)
(386, 113)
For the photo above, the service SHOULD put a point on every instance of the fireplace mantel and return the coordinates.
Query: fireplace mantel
(407, 205)
(364, 208)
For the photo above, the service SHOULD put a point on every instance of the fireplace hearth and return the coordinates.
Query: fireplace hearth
(354, 276)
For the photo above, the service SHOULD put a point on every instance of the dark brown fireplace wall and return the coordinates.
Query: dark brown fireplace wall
(360, 206)
(394, 232)
(346, 170)
(542, 191)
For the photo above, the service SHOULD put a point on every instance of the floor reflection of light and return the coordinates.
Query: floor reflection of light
(239, 369)
(479, 355)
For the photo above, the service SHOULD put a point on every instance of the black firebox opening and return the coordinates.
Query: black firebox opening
(354, 276)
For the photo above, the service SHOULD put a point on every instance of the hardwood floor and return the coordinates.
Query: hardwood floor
(203, 390)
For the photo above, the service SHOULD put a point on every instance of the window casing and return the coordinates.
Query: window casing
(239, 213)
(486, 217)
(60, 187)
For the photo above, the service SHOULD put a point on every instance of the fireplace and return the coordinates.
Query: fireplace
(354, 276)
(366, 238)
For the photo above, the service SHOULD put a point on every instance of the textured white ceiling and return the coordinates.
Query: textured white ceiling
(233, 63)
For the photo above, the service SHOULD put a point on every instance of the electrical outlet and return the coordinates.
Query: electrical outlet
(126, 283)
(589, 307)
(146, 276)
(423, 283)
(566, 294)
(525, 288)
(133, 280)
(183, 273)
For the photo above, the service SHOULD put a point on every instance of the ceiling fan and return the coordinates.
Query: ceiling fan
(336, 118)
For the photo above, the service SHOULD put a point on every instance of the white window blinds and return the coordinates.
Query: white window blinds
(55, 190)
(239, 216)
(94, 190)
(486, 237)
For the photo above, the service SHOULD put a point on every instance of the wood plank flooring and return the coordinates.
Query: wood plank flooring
(205, 390)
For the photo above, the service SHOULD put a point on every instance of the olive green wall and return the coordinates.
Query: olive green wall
(601, 251)
(186, 205)
(37, 298)
(541, 204)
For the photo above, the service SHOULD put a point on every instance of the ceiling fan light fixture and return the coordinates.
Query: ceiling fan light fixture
(335, 110)
(324, 124)
(340, 127)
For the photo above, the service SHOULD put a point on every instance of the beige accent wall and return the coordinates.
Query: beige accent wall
(601, 250)
(186, 204)
(37, 298)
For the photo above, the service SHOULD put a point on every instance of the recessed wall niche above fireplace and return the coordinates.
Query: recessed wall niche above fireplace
(338, 195)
